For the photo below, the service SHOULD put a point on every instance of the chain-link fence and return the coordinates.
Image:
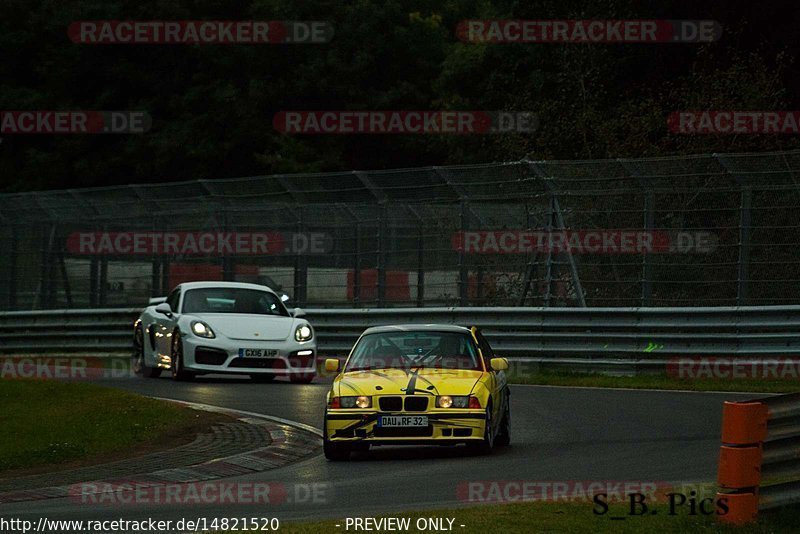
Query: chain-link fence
(703, 230)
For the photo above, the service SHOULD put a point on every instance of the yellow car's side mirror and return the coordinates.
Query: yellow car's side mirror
(331, 365)
(499, 364)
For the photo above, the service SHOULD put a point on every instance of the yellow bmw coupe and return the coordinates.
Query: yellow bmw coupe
(417, 385)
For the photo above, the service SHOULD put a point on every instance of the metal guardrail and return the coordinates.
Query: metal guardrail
(759, 465)
(617, 336)
(95, 330)
(635, 333)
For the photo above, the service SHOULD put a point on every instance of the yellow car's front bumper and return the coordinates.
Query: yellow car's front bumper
(444, 426)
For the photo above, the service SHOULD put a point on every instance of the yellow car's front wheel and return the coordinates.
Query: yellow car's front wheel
(486, 445)
(504, 434)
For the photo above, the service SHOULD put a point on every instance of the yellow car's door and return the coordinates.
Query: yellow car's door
(496, 382)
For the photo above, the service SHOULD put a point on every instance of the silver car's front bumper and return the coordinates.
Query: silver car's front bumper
(220, 355)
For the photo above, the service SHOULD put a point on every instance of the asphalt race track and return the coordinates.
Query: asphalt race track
(558, 434)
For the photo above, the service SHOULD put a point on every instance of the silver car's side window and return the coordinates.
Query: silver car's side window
(173, 299)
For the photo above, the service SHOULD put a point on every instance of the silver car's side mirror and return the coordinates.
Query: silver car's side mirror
(298, 312)
(164, 308)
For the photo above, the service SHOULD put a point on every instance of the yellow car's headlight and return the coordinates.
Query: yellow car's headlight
(459, 401)
(351, 402)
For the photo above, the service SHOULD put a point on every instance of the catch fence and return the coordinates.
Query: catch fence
(702, 230)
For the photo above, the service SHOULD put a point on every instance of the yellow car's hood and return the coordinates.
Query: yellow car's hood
(399, 382)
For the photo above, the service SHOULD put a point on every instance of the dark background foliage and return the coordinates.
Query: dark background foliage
(212, 106)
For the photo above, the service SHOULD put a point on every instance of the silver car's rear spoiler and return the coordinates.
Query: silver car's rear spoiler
(156, 300)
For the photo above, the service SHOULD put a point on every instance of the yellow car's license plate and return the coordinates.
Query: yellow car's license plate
(402, 420)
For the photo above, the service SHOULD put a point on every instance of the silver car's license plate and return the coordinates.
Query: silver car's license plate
(258, 353)
(402, 420)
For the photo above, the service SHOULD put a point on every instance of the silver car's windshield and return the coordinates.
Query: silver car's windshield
(232, 300)
(407, 350)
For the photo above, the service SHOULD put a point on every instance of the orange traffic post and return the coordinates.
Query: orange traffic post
(739, 467)
(744, 429)
(744, 423)
(742, 508)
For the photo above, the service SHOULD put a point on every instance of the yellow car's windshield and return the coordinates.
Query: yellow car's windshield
(410, 350)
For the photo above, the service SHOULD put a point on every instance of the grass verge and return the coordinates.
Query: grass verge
(572, 518)
(58, 425)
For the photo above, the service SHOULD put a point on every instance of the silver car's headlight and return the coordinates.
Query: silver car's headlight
(303, 333)
(201, 329)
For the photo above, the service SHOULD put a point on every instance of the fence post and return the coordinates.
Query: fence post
(572, 266)
(228, 267)
(164, 285)
(65, 278)
(103, 283)
(647, 264)
(649, 226)
(420, 266)
(12, 269)
(382, 222)
(745, 221)
(548, 272)
(463, 274)
(155, 272)
(300, 265)
(93, 291)
(357, 265)
(744, 245)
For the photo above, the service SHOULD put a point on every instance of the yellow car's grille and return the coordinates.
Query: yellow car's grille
(416, 404)
(390, 404)
(410, 403)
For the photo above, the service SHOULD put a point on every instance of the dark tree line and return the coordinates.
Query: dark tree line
(212, 106)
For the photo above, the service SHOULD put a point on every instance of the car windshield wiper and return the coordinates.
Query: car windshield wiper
(368, 368)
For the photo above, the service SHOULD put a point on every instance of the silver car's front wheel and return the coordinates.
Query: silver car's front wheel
(176, 367)
(139, 363)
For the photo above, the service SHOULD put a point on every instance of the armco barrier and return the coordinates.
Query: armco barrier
(636, 333)
(759, 460)
(613, 338)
